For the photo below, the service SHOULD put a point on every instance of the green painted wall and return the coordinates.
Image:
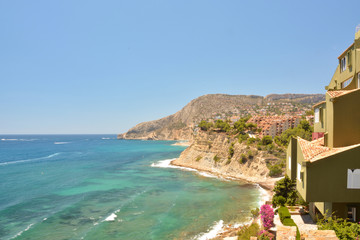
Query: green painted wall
(327, 178)
(301, 186)
(346, 115)
(320, 126)
(291, 152)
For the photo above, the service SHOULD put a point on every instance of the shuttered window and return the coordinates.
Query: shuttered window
(317, 115)
(353, 179)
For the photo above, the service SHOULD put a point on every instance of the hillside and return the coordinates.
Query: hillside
(180, 125)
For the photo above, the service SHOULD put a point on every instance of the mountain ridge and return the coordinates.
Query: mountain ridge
(180, 125)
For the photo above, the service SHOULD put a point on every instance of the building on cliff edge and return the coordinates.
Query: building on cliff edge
(327, 169)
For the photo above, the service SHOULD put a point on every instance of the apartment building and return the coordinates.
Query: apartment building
(274, 125)
(327, 169)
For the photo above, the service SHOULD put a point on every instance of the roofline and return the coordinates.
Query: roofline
(342, 149)
(345, 51)
(319, 103)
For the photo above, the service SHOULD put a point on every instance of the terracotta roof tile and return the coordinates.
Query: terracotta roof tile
(316, 150)
(338, 93)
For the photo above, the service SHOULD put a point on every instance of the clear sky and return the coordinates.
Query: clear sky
(104, 66)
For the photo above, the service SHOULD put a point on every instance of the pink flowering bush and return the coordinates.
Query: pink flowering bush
(267, 216)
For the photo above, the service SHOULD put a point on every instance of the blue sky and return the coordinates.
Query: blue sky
(104, 66)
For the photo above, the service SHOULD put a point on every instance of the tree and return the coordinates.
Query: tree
(266, 140)
(284, 188)
(204, 125)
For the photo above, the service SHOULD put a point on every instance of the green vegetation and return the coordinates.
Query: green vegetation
(250, 154)
(231, 150)
(198, 158)
(285, 218)
(266, 140)
(204, 125)
(255, 212)
(284, 189)
(243, 158)
(303, 130)
(342, 228)
(275, 170)
(222, 126)
(248, 231)
(216, 158)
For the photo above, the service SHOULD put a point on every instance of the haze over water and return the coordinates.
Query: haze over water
(97, 187)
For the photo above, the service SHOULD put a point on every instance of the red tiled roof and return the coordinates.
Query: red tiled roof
(338, 93)
(316, 150)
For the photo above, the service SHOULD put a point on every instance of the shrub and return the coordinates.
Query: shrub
(216, 158)
(242, 158)
(198, 158)
(250, 140)
(255, 212)
(267, 216)
(342, 228)
(266, 140)
(283, 213)
(284, 187)
(265, 235)
(285, 218)
(231, 150)
(275, 170)
(280, 201)
(248, 231)
(204, 125)
(250, 154)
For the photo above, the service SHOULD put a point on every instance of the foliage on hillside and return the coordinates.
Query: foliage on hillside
(303, 130)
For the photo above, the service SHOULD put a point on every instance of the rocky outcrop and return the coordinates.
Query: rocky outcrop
(210, 152)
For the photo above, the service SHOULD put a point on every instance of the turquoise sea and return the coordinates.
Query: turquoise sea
(98, 187)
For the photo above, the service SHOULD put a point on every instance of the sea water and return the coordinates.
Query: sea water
(98, 187)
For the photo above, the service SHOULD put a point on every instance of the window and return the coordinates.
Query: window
(299, 171)
(317, 115)
(353, 179)
(346, 83)
(289, 162)
(343, 64)
(352, 214)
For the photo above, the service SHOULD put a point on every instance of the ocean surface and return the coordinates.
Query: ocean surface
(97, 187)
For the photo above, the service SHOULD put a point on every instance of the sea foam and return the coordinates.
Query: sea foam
(29, 160)
(213, 232)
(112, 216)
(21, 232)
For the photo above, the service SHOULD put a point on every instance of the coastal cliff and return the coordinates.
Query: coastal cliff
(211, 153)
(181, 125)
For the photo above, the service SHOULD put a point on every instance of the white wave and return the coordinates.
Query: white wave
(29, 160)
(21, 232)
(213, 232)
(61, 142)
(15, 139)
(237, 225)
(264, 195)
(167, 164)
(112, 216)
(104, 138)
